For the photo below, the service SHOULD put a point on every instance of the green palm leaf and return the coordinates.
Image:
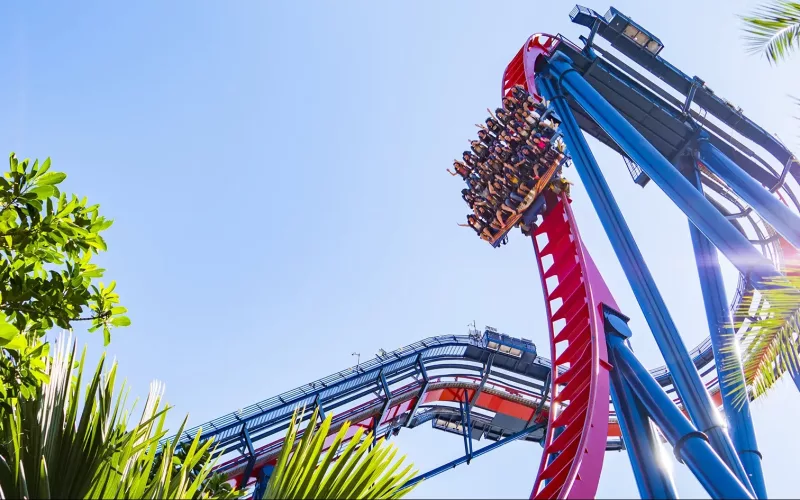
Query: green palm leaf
(771, 346)
(359, 471)
(774, 30)
(62, 445)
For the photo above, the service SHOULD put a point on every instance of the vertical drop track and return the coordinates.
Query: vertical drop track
(574, 292)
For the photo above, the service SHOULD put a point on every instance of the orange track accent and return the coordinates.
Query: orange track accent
(541, 184)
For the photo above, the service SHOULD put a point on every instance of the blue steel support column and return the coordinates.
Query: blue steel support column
(469, 425)
(691, 446)
(487, 370)
(686, 379)
(652, 479)
(700, 211)
(740, 424)
(251, 459)
(785, 222)
(318, 404)
(543, 397)
(423, 389)
(387, 394)
(466, 426)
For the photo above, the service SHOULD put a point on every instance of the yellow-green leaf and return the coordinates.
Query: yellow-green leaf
(7, 331)
(51, 178)
(17, 343)
(121, 321)
(44, 192)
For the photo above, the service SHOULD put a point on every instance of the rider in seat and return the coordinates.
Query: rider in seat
(470, 159)
(486, 138)
(479, 227)
(461, 169)
(503, 115)
(494, 126)
(522, 95)
(480, 150)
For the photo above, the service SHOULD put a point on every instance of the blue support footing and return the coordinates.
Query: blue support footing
(691, 446)
(737, 414)
(770, 208)
(687, 381)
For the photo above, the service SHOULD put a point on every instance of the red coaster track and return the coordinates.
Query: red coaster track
(575, 442)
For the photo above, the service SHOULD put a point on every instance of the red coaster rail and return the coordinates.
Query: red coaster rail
(575, 442)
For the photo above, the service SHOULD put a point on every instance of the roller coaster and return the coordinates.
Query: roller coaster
(592, 394)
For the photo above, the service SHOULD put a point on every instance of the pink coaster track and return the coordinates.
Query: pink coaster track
(574, 292)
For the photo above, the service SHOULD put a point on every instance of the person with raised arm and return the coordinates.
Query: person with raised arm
(486, 138)
(494, 126)
(479, 227)
(460, 169)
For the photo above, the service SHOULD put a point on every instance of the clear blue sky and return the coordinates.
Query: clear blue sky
(276, 174)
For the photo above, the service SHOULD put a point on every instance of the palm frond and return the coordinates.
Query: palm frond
(62, 445)
(361, 470)
(771, 346)
(773, 29)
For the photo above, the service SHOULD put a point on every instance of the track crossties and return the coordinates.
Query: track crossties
(575, 442)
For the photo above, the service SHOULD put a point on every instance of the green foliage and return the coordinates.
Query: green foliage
(47, 278)
(215, 485)
(774, 30)
(771, 346)
(358, 471)
(55, 443)
(58, 445)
